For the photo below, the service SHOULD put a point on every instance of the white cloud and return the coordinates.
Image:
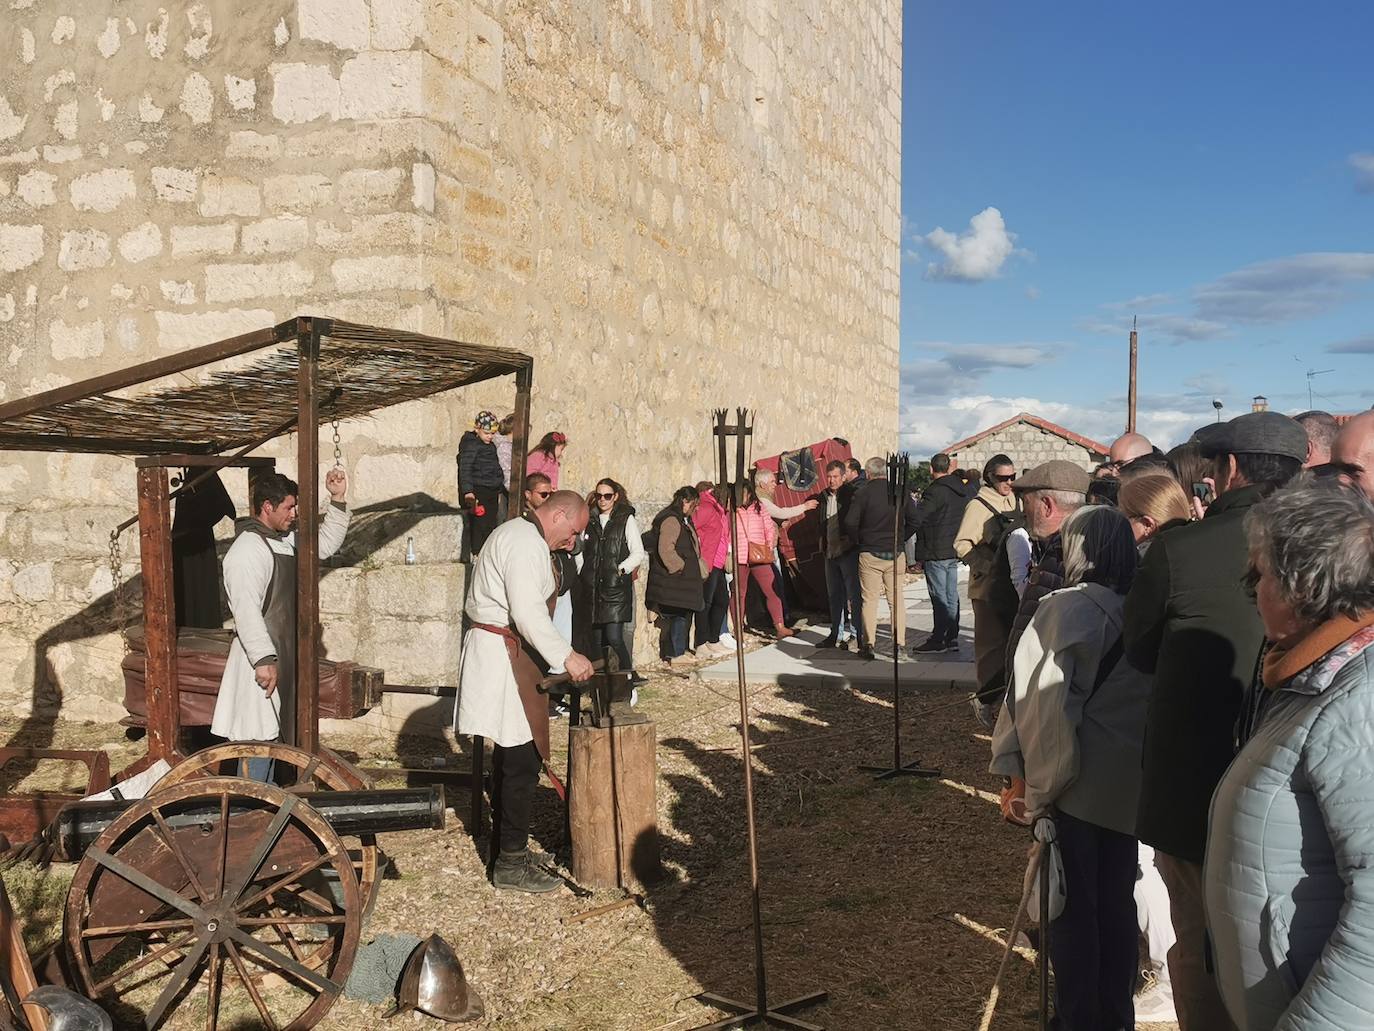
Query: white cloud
(1363, 164)
(1360, 345)
(942, 366)
(1140, 301)
(1175, 328)
(1300, 286)
(1032, 293)
(974, 255)
(927, 428)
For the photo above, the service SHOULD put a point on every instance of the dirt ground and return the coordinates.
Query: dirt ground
(891, 896)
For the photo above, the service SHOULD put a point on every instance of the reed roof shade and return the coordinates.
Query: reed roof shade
(236, 391)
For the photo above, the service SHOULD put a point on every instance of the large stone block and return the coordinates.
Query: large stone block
(177, 331)
(304, 93)
(273, 235)
(20, 247)
(86, 340)
(238, 282)
(213, 239)
(423, 652)
(341, 23)
(103, 191)
(381, 85)
(222, 196)
(298, 192)
(422, 591)
(83, 249)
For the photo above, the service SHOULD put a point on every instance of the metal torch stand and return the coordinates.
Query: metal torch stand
(898, 467)
(758, 1012)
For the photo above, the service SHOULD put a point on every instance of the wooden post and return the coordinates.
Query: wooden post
(612, 807)
(520, 441)
(159, 616)
(307, 538)
(1131, 393)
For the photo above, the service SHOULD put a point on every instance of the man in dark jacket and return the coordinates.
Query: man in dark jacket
(936, 524)
(1190, 621)
(841, 561)
(871, 524)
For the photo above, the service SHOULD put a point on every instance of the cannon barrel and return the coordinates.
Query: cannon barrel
(349, 812)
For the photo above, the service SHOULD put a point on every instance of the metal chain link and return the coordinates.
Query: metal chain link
(117, 581)
(338, 453)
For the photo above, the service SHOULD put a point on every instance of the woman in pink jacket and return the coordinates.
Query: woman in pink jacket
(547, 456)
(713, 531)
(754, 526)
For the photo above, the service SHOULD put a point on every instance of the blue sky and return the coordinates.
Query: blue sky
(1208, 167)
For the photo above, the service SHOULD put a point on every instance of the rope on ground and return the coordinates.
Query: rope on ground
(991, 1006)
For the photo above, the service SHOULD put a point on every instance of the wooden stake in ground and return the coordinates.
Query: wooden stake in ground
(759, 1012)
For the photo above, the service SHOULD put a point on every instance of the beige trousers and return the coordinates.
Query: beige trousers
(877, 577)
(1196, 998)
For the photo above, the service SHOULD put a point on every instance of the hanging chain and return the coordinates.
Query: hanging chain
(338, 453)
(117, 588)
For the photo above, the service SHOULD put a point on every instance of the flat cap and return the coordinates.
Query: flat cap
(1257, 433)
(1057, 475)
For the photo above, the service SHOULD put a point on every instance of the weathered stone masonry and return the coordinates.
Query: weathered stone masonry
(672, 204)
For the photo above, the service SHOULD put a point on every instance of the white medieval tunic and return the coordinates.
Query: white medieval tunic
(243, 712)
(512, 582)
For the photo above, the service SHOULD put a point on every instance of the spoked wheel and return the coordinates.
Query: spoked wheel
(303, 772)
(222, 894)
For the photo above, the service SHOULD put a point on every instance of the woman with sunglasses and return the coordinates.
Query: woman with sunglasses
(547, 456)
(612, 554)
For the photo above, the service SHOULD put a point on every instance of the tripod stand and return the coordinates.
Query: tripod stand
(758, 1012)
(898, 470)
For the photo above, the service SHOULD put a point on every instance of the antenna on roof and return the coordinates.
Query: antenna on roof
(1311, 375)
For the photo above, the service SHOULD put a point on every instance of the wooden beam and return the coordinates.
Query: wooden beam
(520, 441)
(141, 373)
(308, 535)
(201, 461)
(159, 615)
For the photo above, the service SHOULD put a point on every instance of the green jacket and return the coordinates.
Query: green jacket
(1190, 622)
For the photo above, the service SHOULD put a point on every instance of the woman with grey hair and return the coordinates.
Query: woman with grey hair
(1072, 728)
(1289, 883)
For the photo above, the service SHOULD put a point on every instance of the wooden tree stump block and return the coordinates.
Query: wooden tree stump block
(612, 806)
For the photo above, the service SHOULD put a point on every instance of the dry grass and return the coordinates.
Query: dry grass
(872, 891)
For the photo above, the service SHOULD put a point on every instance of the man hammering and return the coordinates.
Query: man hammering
(257, 694)
(511, 642)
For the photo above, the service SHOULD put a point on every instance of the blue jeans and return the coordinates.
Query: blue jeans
(257, 769)
(942, 580)
(846, 601)
(679, 621)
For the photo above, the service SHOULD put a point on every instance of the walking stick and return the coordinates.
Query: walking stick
(1043, 953)
(898, 468)
(990, 1007)
(758, 1012)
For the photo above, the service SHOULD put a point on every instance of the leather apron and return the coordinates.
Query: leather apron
(279, 613)
(529, 668)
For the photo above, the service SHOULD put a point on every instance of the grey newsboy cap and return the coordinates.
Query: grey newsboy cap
(1257, 433)
(1057, 475)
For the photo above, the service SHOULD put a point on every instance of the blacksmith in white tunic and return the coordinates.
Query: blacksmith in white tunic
(510, 643)
(257, 695)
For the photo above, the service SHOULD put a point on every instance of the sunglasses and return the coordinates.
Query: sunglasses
(606, 497)
(1005, 479)
(541, 493)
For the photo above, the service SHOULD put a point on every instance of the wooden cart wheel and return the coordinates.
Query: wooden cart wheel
(326, 771)
(216, 882)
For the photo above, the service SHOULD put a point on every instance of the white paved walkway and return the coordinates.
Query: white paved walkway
(798, 658)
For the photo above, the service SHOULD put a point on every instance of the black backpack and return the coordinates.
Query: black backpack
(1000, 526)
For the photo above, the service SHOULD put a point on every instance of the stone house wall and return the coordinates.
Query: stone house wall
(672, 205)
(1027, 446)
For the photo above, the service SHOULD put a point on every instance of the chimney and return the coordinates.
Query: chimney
(1260, 403)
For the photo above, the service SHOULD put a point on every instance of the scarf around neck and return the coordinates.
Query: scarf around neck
(1283, 662)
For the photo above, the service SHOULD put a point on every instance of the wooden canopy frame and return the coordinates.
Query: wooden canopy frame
(304, 372)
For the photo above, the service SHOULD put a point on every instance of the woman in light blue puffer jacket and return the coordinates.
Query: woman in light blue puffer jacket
(1290, 849)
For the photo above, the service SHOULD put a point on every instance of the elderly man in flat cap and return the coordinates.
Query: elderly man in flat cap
(1191, 622)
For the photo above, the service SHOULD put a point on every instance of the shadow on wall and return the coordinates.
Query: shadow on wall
(371, 529)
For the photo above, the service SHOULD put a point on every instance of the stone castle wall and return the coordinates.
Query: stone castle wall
(672, 205)
(1027, 446)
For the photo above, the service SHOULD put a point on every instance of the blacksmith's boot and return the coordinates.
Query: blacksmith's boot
(515, 872)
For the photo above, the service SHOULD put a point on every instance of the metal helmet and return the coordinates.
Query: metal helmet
(68, 1011)
(433, 983)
